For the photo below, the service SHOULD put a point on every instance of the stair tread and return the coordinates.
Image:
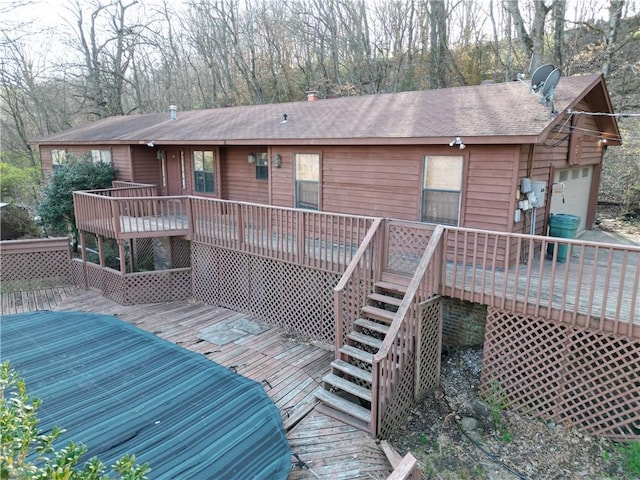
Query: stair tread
(391, 287)
(352, 370)
(357, 353)
(347, 386)
(379, 313)
(343, 417)
(371, 325)
(339, 403)
(381, 297)
(365, 339)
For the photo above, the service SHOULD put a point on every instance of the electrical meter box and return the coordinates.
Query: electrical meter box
(539, 193)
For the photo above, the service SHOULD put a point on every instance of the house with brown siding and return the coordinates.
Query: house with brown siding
(386, 225)
(390, 155)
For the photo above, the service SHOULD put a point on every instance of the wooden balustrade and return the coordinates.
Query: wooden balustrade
(351, 292)
(582, 283)
(118, 184)
(145, 216)
(94, 213)
(315, 239)
(589, 284)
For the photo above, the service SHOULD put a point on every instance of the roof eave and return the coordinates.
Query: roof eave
(485, 140)
(613, 139)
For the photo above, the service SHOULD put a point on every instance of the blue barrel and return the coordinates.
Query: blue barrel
(562, 225)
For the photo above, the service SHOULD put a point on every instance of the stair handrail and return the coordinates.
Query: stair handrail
(408, 307)
(350, 272)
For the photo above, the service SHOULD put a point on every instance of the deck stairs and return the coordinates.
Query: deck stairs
(347, 388)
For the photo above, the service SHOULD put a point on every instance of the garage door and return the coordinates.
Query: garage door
(570, 192)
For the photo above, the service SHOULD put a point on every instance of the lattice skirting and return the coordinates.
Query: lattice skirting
(422, 372)
(582, 379)
(297, 298)
(33, 270)
(135, 288)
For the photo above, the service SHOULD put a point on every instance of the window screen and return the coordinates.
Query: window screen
(441, 189)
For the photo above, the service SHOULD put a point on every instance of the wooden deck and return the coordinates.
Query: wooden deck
(290, 370)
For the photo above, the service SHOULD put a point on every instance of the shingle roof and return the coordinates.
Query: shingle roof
(492, 110)
(121, 390)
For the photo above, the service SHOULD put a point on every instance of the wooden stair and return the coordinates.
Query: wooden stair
(347, 392)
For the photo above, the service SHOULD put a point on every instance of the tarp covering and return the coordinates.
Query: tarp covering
(119, 390)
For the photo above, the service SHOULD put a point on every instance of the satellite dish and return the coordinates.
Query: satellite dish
(550, 87)
(550, 84)
(540, 76)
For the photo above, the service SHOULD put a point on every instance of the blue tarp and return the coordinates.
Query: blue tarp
(119, 390)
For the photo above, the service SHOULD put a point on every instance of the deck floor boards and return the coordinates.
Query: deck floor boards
(289, 370)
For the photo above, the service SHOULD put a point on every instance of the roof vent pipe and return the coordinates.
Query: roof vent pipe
(173, 112)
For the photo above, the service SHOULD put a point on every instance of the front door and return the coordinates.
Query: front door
(175, 172)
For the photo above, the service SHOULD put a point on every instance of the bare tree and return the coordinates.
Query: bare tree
(611, 35)
(533, 43)
(438, 43)
(559, 12)
(106, 42)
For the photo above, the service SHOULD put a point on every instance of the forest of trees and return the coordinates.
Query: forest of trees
(99, 58)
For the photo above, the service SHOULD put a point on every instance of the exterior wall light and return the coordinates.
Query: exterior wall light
(277, 160)
(251, 158)
(457, 141)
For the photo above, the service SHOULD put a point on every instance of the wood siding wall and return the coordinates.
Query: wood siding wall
(238, 176)
(146, 166)
(381, 182)
(572, 143)
(489, 198)
(120, 157)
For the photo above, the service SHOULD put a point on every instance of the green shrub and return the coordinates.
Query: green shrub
(28, 454)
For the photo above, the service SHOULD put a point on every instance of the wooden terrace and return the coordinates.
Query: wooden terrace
(581, 284)
(289, 368)
(595, 284)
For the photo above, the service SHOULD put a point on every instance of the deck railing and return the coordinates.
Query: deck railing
(315, 239)
(108, 213)
(399, 345)
(318, 240)
(585, 284)
(146, 189)
(357, 281)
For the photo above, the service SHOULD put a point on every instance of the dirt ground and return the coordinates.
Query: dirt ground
(456, 435)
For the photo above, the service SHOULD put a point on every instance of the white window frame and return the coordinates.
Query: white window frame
(449, 184)
(262, 166)
(304, 176)
(103, 156)
(58, 158)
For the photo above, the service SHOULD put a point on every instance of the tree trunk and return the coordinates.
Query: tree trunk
(611, 36)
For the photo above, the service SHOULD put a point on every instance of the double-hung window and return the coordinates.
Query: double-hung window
(262, 166)
(103, 156)
(442, 189)
(307, 176)
(58, 158)
(204, 171)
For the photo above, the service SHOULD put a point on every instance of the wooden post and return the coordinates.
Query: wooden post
(123, 257)
(240, 225)
(190, 217)
(83, 251)
(131, 259)
(300, 237)
(101, 251)
(115, 215)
